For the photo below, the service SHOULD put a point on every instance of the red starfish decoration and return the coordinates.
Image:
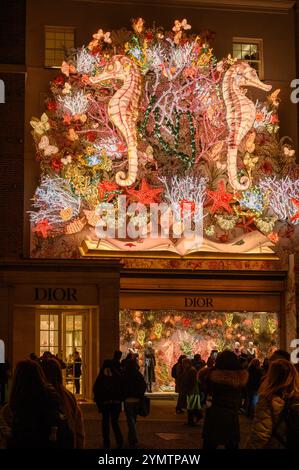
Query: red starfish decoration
(146, 194)
(42, 228)
(220, 198)
(247, 224)
(107, 187)
(296, 203)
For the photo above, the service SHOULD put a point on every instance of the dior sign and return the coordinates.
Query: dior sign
(199, 302)
(55, 294)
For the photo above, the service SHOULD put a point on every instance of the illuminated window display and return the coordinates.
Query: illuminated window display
(176, 332)
(149, 117)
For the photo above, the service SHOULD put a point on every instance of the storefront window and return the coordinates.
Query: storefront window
(176, 332)
(49, 333)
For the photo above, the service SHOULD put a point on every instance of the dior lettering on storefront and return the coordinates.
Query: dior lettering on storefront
(199, 302)
(55, 294)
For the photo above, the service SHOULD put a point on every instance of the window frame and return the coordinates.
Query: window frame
(260, 47)
(55, 30)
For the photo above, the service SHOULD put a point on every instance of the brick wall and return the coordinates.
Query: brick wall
(12, 60)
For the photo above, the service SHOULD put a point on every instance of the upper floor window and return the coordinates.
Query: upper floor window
(58, 39)
(251, 51)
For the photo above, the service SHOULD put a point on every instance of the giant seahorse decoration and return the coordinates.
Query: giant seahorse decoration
(123, 109)
(240, 114)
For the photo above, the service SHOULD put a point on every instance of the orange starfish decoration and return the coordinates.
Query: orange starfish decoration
(220, 198)
(42, 228)
(296, 203)
(146, 194)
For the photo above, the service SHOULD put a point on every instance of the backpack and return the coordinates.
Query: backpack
(290, 418)
(65, 436)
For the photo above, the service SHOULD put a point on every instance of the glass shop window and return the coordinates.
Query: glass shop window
(251, 51)
(49, 333)
(58, 40)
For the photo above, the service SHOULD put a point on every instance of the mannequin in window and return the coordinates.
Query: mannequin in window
(237, 348)
(149, 366)
(133, 351)
(251, 350)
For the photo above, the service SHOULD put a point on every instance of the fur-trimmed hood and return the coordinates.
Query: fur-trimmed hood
(231, 378)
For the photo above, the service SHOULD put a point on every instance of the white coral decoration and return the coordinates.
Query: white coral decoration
(75, 103)
(177, 56)
(266, 225)
(188, 189)
(85, 62)
(226, 223)
(280, 193)
(51, 197)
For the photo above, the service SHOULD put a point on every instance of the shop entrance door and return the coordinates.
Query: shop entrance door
(74, 353)
(64, 335)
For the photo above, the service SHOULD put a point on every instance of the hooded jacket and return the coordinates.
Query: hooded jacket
(266, 416)
(222, 418)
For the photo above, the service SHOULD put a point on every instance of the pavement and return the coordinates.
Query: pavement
(162, 429)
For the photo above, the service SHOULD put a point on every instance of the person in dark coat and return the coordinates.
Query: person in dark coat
(226, 382)
(77, 371)
(190, 389)
(255, 377)
(108, 395)
(134, 390)
(176, 371)
(4, 375)
(117, 364)
(149, 366)
(34, 407)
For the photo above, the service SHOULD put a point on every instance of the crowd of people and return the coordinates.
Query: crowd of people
(42, 413)
(230, 384)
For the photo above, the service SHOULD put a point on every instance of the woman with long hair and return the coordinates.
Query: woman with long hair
(279, 389)
(34, 405)
(71, 410)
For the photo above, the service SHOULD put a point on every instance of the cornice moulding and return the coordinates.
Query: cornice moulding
(249, 5)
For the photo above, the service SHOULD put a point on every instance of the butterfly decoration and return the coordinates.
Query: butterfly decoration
(67, 69)
(41, 125)
(231, 60)
(179, 25)
(272, 128)
(66, 214)
(67, 159)
(288, 152)
(72, 135)
(98, 35)
(67, 88)
(138, 25)
(107, 37)
(250, 161)
(177, 37)
(48, 149)
(250, 145)
(274, 99)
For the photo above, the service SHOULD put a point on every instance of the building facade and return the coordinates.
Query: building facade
(182, 305)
